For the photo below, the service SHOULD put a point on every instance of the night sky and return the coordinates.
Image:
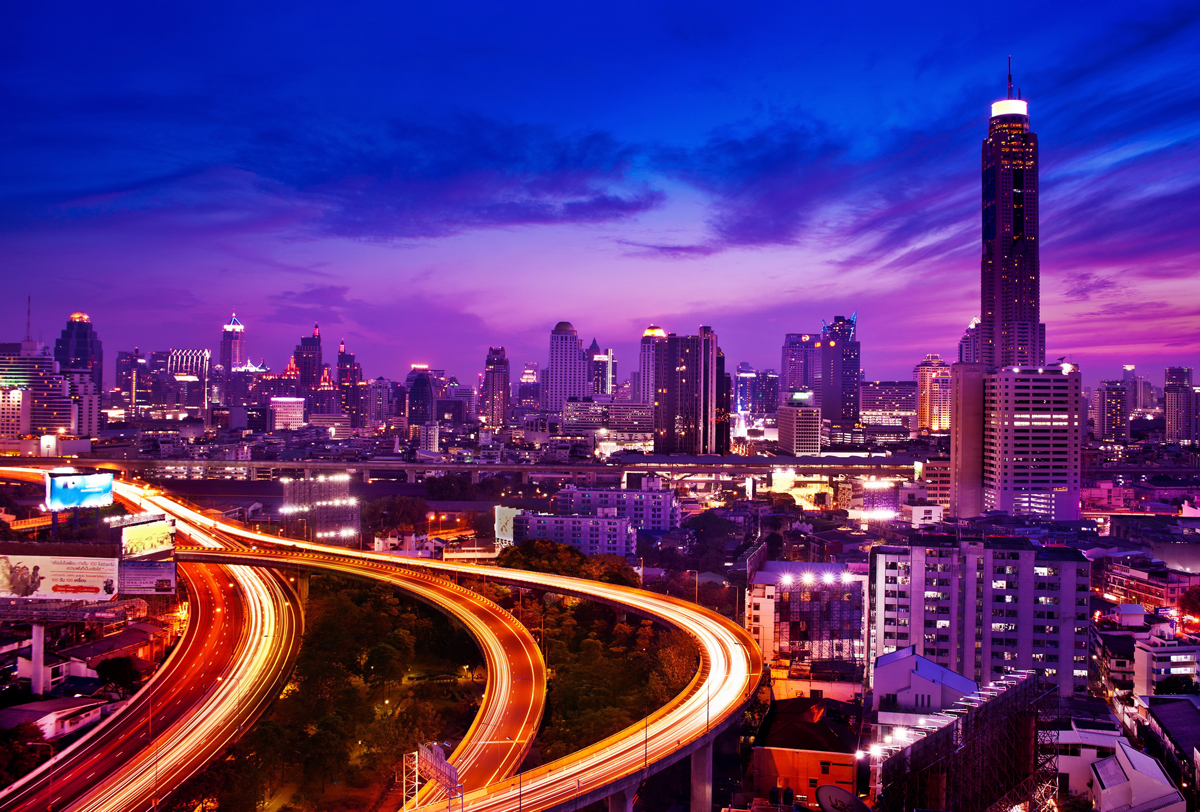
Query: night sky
(430, 179)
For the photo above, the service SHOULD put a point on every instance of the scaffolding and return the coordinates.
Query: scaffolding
(991, 752)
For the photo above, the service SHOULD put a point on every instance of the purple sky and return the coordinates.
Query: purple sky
(427, 182)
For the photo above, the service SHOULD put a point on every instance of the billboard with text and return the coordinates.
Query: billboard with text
(67, 491)
(48, 577)
(152, 539)
(147, 577)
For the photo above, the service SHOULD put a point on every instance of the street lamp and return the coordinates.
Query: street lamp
(50, 772)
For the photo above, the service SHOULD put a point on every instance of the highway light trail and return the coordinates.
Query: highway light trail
(731, 667)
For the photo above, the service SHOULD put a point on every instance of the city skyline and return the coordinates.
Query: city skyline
(801, 188)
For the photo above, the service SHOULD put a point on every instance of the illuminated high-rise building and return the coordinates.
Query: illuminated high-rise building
(567, 375)
(233, 345)
(800, 363)
(494, 408)
(529, 387)
(1112, 401)
(308, 360)
(349, 385)
(840, 372)
(602, 369)
(688, 395)
(1011, 332)
(968, 345)
(1181, 406)
(653, 337)
(933, 394)
(79, 349)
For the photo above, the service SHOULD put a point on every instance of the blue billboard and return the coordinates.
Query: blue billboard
(67, 491)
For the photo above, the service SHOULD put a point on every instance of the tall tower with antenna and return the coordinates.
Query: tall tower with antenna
(1011, 332)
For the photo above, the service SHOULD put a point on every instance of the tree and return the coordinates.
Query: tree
(384, 667)
(19, 751)
(1189, 603)
(120, 673)
(543, 555)
(1177, 684)
(328, 751)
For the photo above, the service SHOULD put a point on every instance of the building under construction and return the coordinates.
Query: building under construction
(991, 752)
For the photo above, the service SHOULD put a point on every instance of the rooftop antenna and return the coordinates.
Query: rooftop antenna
(1010, 76)
(28, 319)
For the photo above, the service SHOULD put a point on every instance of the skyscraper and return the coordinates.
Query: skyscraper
(687, 396)
(494, 408)
(602, 369)
(1181, 406)
(567, 374)
(840, 371)
(79, 350)
(968, 345)
(799, 424)
(1010, 328)
(529, 387)
(1112, 411)
(647, 352)
(349, 385)
(933, 394)
(308, 360)
(800, 365)
(745, 389)
(233, 345)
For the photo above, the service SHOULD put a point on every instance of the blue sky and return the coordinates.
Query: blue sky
(428, 180)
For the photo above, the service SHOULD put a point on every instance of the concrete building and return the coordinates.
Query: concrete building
(28, 365)
(605, 533)
(15, 410)
(650, 348)
(651, 507)
(1160, 656)
(978, 607)
(934, 473)
(801, 747)
(287, 413)
(427, 437)
(933, 394)
(233, 346)
(494, 395)
(1129, 780)
(567, 375)
(800, 362)
(968, 345)
(799, 424)
(79, 349)
(1112, 410)
(891, 404)
(810, 615)
(906, 688)
(1150, 583)
(55, 717)
(1016, 440)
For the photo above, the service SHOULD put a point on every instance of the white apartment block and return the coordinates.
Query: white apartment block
(603, 534)
(649, 509)
(979, 607)
(15, 409)
(799, 430)
(1163, 655)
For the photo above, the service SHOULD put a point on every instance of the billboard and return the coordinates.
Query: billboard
(66, 491)
(52, 577)
(147, 577)
(147, 540)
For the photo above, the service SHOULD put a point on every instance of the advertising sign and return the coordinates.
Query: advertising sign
(66, 491)
(146, 540)
(503, 525)
(147, 577)
(61, 578)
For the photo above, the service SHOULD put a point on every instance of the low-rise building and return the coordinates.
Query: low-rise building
(55, 717)
(802, 746)
(605, 533)
(907, 688)
(1162, 656)
(651, 507)
(1129, 780)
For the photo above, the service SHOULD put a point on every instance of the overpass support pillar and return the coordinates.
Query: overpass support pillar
(366, 477)
(621, 801)
(475, 477)
(252, 474)
(519, 478)
(302, 588)
(702, 779)
(37, 659)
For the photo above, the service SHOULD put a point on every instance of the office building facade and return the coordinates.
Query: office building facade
(1112, 412)
(932, 376)
(799, 424)
(1016, 440)
(840, 372)
(686, 394)
(567, 375)
(494, 395)
(1010, 328)
(800, 362)
(78, 349)
(653, 338)
(603, 534)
